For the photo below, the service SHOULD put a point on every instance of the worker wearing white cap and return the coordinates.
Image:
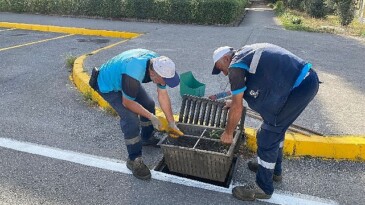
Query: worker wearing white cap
(119, 82)
(278, 85)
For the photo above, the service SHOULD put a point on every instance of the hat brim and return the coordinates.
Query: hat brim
(215, 70)
(172, 82)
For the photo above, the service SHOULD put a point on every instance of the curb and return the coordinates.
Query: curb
(70, 30)
(348, 147)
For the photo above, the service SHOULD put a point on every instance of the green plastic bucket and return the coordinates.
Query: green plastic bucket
(191, 86)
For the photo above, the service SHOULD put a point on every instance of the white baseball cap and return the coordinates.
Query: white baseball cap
(218, 54)
(165, 67)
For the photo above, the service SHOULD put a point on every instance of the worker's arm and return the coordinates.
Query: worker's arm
(130, 90)
(165, 103)
(234, 116)
(136, 107)
(237, 80)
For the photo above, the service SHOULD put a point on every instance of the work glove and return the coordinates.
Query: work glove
(155, 122)
(174, 131)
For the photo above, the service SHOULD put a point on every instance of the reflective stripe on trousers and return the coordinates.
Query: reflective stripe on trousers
(130, 122)
(270, 138)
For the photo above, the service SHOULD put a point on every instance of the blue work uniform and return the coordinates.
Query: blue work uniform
(278, 85)
(122, 76)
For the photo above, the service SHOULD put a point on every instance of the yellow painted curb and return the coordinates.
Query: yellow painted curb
(331, 147)
(70, 30)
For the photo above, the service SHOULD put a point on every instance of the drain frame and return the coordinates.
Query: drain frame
(162, 167)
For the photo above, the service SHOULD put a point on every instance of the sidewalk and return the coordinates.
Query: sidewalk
(338, 108)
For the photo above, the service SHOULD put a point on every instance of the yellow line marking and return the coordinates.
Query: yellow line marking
(31, 43)
(10, 29)
(107, 47)
(71, 30)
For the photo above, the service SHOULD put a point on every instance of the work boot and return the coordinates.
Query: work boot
(152, 141)
(254, 166)
(139, 169)
(249, 192)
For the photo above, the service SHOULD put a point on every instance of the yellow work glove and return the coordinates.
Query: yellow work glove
(174, 131)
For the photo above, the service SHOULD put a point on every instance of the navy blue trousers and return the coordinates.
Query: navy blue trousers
(130, 122)
(270, 138)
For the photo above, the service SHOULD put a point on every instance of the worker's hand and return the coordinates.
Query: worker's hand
(174, 131)
(226, 138)
(228, 104)
(155, 122)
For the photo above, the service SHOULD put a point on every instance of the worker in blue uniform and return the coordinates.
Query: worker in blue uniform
(119, 81)
(278, 85)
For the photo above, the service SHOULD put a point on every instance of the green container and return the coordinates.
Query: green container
(191, 86)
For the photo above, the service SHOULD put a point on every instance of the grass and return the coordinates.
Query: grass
(70, 60)
(111, 111)
(89, 100)
(330, 24)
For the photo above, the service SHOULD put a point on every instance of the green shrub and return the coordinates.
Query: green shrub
(315, 8)
(346, 11)
(178, 11)
(331, 6)
(142, 9)
(295, 4)
(219, 11)
(279, 7)
(16, 6)
(2, 5)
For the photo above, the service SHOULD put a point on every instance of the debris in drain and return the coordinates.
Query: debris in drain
(182, 141)
(214, 134)
(209, 145)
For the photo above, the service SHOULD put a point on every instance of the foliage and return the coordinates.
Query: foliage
(70, 60)
(279, 7)
(315, 8)
(295, 4)
(331, 24)
(346, 11)
(179, 11)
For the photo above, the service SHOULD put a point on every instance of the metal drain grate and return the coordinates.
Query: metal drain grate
(203, 111)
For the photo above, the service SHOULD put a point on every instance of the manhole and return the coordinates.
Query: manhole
(162, 167)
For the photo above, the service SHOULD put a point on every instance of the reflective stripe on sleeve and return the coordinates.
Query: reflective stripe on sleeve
(255, 60)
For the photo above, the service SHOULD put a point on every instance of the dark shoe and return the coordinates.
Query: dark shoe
(152, 141)
(254, 166)
(139, 169)
(249, 192)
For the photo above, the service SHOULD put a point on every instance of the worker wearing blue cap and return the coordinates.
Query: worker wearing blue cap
(119, 82)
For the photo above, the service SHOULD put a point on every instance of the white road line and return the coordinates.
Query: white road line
(10, 29)
(279, 197)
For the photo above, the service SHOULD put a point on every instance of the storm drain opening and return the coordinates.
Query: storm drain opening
(162, 167)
